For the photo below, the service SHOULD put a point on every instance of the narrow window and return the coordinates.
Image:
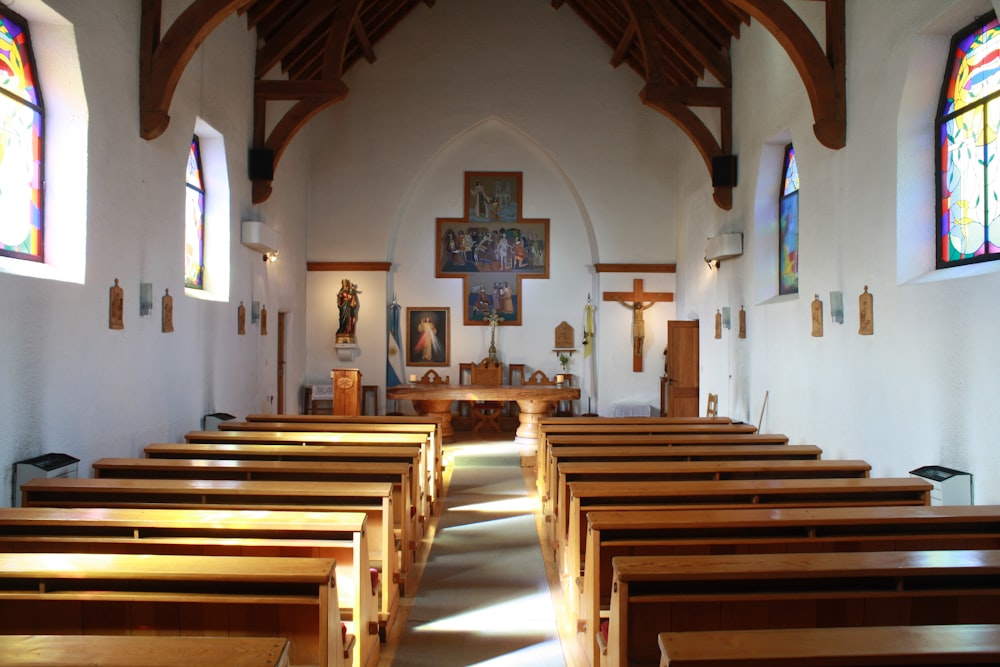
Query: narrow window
(21, 120)
(788, 225)
(194, 223)
(967, 125)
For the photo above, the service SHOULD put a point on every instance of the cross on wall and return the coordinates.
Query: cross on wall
(637, 301)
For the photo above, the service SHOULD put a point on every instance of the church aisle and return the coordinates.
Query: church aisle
(486, 596)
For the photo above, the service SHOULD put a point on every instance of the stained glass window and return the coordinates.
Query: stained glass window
(21, 121)
(788, 225)
(967, 125)
(194, 224)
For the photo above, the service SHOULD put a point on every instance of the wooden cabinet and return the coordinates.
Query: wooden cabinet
(346, 391)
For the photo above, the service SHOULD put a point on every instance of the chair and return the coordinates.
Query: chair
(487, 413)
(713, 406)
(433, 377)
(539, 378)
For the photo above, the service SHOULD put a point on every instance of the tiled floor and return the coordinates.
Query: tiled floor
(486, 594)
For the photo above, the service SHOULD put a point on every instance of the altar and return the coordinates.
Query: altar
(534, 402)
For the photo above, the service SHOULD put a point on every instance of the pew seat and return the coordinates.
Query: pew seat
(148, 651)
(748, 531)
(337, 535)
(733, 494)
(80, 594)
(404, 485)
(656, 594)
(916, 646)
(372, 498)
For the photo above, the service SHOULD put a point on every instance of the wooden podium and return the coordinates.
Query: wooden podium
(346, 391)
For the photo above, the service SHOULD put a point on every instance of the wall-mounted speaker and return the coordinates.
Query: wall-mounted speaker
(260, 164)
(724, 171)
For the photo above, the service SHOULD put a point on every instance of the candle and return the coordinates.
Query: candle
(560, 378)
(413, 378)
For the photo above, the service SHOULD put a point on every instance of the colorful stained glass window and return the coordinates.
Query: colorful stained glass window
(968, 120)
(788, 225)
(194, 223)
(21, 121)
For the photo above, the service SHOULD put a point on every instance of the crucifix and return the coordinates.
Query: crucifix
(637, 301)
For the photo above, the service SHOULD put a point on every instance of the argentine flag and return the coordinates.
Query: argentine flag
(394, 354)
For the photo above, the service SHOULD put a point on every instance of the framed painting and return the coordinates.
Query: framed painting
(492, 196)
(428, 336)
(485, 292)
(515, 248)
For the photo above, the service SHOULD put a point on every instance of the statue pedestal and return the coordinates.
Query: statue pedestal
(347, 351)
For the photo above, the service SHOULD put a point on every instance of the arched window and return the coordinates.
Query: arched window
(788, 225)
(21, 140)
(967, 125)
(194, 222)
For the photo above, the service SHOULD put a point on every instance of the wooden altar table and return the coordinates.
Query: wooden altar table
(534, 402)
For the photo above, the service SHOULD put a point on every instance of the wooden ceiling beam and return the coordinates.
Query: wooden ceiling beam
(823, 73)
(364, 43)
(258, 11)
(286, 38)
(162, 59)
(722, 13)
(624, 45)
(709, 56)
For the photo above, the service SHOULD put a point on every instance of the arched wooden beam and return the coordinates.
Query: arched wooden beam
(675, 101)
(824, 74)
(162, 61)
(313, 97)
(676, 104)
(296, 118)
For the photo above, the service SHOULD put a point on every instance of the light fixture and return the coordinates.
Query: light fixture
(258, 236)
(837, 307)
(145, 299)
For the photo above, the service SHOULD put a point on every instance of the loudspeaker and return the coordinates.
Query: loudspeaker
(724, 171)
(260, 164)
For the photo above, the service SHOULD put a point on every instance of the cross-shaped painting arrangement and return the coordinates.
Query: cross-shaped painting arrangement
(491, 248)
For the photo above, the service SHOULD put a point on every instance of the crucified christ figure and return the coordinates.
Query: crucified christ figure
(638, 323)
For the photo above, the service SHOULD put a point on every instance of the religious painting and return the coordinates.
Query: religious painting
(514, 248)
(493, 196)
(486, 292)
(428, 336)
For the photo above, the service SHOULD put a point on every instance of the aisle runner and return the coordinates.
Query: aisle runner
(483, 598)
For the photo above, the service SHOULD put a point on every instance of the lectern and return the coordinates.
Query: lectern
(346, 391)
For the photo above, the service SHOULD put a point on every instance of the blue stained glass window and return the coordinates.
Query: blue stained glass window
(788, 225)
(967, 125)
(22, 118)
(194, 220)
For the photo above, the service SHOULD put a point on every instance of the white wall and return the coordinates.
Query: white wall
(465, 87)
(920, 390)
(70, 384)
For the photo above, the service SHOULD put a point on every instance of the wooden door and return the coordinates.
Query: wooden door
(281, 362)
(682, 368)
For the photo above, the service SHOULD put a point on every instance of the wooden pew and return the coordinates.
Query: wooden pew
(619, 469)
(335, 535)
(652, 453)
(250, 452)
(79, 594)
(785, 530)
(735, 494)
(914, 646)
(404, 486)
(148, 651)
(424, 424)
(430, 476)
(613, 441)
(372, 498)
(640, 426)
(658, 594)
